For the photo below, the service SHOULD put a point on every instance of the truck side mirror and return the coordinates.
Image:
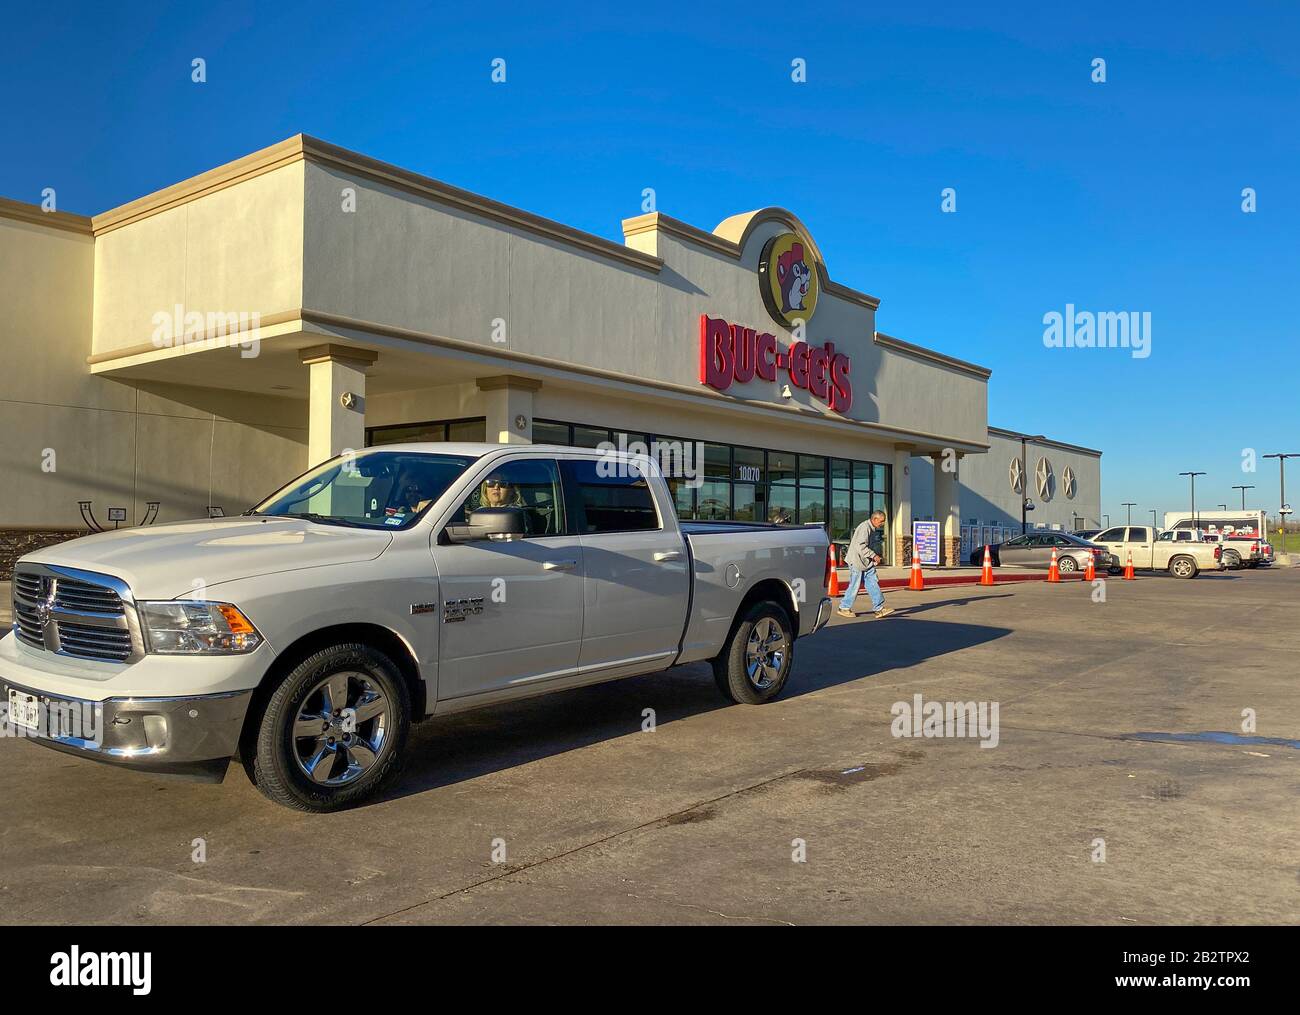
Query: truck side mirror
(490, 523)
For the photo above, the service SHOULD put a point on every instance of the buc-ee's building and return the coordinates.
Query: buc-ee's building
(198, 347)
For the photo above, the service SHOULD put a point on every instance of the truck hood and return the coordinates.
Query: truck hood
(165, 561)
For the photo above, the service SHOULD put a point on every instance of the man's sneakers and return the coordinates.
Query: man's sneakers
(884, 611)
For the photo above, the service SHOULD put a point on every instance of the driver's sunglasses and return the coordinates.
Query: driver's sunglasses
(499, 484)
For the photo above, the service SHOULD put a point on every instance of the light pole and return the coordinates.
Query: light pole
(1130, 504)
(1107, 517)
(1286, 508)
(1154, 526)
(1195, 524)
(1223, 507)
(1025, 504)
(1243, 490)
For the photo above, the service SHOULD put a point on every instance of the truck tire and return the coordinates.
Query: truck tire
(1183, 567)
(316, 753)
(754, 664)
(1231, 560)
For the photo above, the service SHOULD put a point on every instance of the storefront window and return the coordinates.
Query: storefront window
(747, 483)
(746, 505)
(714, 501)
(841, 527)
(469, 430)
(780, 467)
(683, 497)
(748, 465)
(781, 503)
(862, 477)
(546, 432)
(589, 436)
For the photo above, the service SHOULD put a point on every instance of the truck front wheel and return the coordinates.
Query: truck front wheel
(333, 730)
(754, 664)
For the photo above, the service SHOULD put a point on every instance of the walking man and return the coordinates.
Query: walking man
(866, 550)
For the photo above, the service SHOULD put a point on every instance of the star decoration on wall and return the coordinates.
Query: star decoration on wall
(1017, 476)
(1043, 477)
(1068, 481)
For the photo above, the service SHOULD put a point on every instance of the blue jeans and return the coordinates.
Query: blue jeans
(870, 582)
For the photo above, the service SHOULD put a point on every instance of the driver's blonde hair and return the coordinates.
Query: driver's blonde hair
(516, 501)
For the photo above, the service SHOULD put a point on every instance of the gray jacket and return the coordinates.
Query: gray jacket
(866, 548)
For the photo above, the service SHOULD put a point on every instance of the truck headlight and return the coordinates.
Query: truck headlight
(189, 627)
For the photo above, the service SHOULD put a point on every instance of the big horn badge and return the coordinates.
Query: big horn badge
(788, 279)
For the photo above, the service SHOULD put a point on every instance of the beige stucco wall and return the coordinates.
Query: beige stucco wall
(110, 442)
(235, 250)
(405, 261)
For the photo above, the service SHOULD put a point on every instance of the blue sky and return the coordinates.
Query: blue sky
(1113, 197)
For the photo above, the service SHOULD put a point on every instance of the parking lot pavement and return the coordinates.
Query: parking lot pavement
(696, 822)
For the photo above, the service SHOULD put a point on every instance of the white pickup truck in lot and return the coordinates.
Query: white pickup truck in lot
(1153, 550)
(403, 582)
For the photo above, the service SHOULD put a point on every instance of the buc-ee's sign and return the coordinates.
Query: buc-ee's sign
(733, 354)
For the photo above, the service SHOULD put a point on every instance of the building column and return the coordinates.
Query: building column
(508, 400)
(900, 508)
(947, 507)
(337, 400)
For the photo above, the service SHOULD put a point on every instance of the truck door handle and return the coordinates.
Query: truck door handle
(663, 555)
(559, 565)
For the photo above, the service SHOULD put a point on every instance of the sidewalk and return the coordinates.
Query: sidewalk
(898, 577)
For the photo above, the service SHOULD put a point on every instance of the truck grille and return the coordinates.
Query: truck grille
(75, 614)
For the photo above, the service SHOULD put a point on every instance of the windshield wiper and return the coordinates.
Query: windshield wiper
(312, 516)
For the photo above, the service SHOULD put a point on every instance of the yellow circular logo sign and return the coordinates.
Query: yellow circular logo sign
(787, 277)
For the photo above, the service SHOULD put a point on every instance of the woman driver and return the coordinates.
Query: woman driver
(497, 491)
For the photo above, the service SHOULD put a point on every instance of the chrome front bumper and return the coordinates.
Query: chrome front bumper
(184, 736)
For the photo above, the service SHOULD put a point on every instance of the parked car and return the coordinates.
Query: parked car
(1174, 550)
(1034, 550)
(408, 581)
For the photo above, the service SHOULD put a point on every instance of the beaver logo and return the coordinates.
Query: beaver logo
(788, 279)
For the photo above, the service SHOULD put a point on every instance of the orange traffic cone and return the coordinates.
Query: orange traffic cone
(1053, 571)
(1128, 568)
(833, 586)
(1090, 572)
(916, 583)
(986, 576)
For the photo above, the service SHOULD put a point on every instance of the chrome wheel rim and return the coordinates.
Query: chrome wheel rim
(765, 653)
(1066, 564)
(1182, 568)
(340, 729)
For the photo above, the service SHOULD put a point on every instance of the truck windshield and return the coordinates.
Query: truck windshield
(374, 490)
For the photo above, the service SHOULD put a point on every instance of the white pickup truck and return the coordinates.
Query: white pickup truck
(1153, 550)
(403, 582)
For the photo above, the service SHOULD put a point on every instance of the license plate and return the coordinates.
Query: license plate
(24, 709)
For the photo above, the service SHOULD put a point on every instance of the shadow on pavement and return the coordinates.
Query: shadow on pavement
(458, 748)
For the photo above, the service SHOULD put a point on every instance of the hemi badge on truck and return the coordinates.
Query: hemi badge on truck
(458, 609)
(418, 608)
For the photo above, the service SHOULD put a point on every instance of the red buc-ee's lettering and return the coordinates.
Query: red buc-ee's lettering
(732, 353)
